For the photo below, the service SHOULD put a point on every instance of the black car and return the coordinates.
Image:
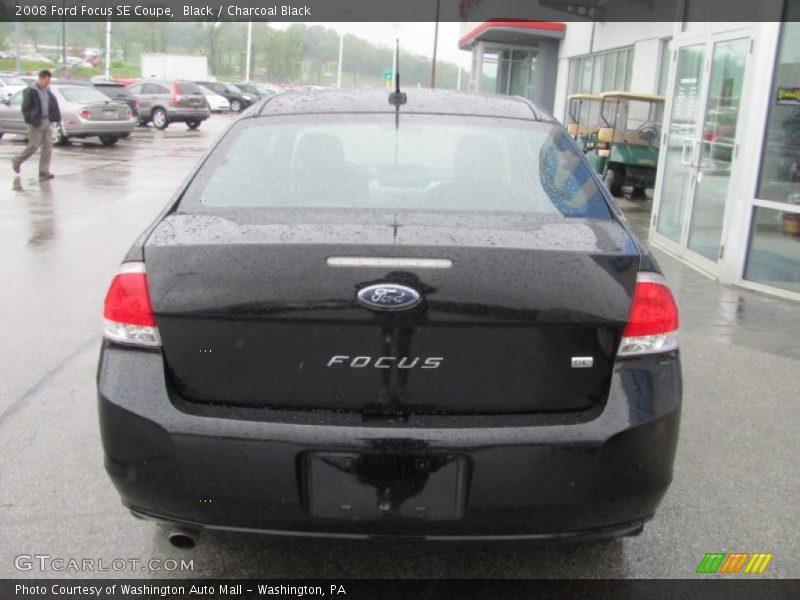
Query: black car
(119, 92)
(255, 89)
(238, 99)
(423, 319)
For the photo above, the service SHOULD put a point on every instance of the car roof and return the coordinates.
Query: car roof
(420, 100)
(585, 97)
(632, 96)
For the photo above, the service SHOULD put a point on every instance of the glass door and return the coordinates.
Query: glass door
(717, 149)
(683, 138)
(700, 148)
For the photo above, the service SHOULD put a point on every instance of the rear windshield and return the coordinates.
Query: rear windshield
(188, 88)
(422, 162)
(115, 91)
(82, 94)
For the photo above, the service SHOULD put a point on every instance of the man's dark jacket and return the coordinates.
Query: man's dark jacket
(32, 107)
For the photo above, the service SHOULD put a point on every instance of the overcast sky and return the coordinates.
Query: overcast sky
(414, 37)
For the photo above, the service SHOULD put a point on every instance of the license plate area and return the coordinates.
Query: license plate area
(369, 486)
(110, 114)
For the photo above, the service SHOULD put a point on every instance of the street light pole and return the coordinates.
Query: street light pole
(64, 35)
(339, 64)
(16, 48)
(435, 46)
(249, 50)
(108, 50)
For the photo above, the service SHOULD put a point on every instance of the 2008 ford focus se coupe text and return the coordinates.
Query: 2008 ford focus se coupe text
(362, 318)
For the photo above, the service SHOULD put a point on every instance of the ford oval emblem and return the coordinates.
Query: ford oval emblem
(388, 296)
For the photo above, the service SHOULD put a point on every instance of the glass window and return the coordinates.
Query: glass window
(16, 98)
(9, 80)
(185, 87)
(773, 257)
(608, 73)
(602, 72)
(430, 162)
(663, 70)
(779, 179)
(82, 94)
(774, 254)
(489, 71)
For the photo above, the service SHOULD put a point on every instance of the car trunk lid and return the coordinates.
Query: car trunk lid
(526, 318)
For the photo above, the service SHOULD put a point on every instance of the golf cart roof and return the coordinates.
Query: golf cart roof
(631, 96)
(585, 97)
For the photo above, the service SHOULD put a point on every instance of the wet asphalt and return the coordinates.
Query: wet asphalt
(736, 476)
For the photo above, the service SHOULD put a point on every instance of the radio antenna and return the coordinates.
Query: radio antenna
(397, 98)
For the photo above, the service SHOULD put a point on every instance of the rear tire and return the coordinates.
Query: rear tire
(193, 124)
(613, 180)
(159, 118)
(59, 139)
(108, 140)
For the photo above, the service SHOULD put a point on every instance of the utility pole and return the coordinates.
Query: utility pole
(64, 35)
(108, 49)
(458, 81)
(435, 45)
(339, 64)
(16, 47)
(249, 50)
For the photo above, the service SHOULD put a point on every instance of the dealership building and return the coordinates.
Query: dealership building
(727, 194)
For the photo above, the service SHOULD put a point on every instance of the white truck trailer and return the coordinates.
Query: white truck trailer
(173, 66)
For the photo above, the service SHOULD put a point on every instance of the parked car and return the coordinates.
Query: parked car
(120, 93)
(216, 103)
(166, 102)
(238, 99)
(10, 85)
(85, 112)
(426, 318)
(257, 89)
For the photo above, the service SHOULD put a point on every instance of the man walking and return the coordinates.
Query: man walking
(40, 109)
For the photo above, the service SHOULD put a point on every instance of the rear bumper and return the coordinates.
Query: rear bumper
(73, 127)
(588, 476)
(187, 114)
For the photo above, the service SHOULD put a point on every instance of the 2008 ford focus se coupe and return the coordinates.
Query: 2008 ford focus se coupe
(422, 318)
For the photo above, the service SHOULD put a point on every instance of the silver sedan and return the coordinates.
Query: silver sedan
(85, 112)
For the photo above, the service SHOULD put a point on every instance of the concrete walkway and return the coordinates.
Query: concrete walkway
(725, 313)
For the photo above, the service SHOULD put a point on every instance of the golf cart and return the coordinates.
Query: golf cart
(624, 149)
(584, 117)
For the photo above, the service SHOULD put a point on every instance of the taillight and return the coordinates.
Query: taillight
(128, 314)
(176, 97)
(85, 113)
(653, 318)
(128, 113)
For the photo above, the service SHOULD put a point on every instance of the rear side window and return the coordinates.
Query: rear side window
(82, 94)
(424, 162)
(188, 88)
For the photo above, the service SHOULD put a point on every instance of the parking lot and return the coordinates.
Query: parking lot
(735, 488)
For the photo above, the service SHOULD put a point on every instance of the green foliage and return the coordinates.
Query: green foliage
(298, 54)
